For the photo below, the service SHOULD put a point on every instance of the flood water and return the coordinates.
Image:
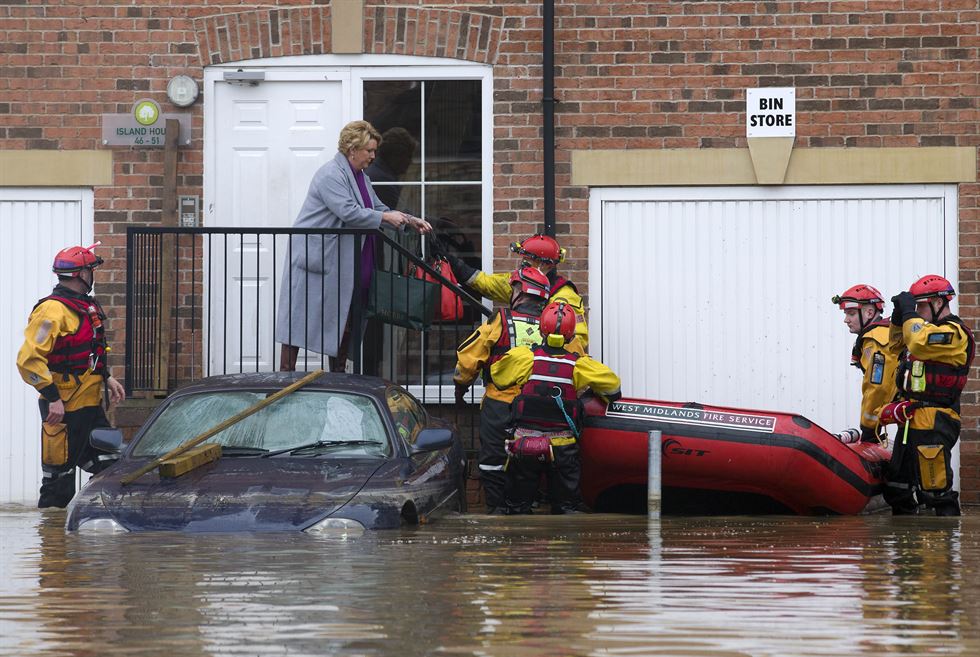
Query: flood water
(486, 585)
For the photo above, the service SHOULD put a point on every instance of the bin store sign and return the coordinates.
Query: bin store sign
(770, 112)
(144, 126)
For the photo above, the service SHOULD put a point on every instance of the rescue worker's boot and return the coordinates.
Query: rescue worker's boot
(901, 497)
(519, 508)
(944, 503)
(57, 488)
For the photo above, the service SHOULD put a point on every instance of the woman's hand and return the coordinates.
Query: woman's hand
(395, 219)
(419, 224)
(399, 220)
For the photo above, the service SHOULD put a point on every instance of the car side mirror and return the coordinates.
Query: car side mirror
(432, 439)
(106, 440)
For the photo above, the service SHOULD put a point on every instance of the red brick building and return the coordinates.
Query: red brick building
(651, 100)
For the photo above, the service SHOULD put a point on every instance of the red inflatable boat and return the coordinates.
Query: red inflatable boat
(718, 460)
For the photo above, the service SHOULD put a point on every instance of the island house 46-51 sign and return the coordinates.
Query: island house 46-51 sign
(144, 126)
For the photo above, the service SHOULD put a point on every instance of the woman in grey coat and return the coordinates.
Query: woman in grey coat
(318, 284)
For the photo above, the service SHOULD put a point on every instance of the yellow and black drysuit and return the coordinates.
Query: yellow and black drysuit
(486, 345)
(551, 380)
(498, 288)
(932, 374)
(64, 357)
(879, 363)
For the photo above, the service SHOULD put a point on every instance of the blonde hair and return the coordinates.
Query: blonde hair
(355, 135)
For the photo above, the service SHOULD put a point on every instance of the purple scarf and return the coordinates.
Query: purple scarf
(367, 253)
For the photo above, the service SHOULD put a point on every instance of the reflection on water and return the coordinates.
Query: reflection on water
(583, 585)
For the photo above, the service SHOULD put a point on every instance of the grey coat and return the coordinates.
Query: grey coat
(316, 290)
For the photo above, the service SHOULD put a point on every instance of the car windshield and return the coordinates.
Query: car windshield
(301, 418)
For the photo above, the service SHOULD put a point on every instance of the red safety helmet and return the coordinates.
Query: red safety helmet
(532, 281)
(70, 261)
(932, 285)
(859, 295)
(557, 318)
(541, 247)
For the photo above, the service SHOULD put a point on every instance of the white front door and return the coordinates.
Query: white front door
(269, 140)
(34, 225)
(722, 295)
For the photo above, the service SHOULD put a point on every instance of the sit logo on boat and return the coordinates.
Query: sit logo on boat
(674, 446)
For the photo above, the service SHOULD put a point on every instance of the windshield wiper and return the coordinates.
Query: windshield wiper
(241, 450)
(320, 444)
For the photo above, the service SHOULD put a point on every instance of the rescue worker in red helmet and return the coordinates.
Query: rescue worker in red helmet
(64, 357)
(938, 352)
(539, 251)
(862, 305)
(510, 327)
(547, 412)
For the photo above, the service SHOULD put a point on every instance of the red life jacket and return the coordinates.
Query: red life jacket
(84, 349)
(551, 381)
(559, 283)
(518, 329)
(943, 382)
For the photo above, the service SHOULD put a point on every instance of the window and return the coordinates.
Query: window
(408, 416)
(434, 161)
(430, 162)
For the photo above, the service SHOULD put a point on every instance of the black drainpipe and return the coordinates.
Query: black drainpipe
(548, 100)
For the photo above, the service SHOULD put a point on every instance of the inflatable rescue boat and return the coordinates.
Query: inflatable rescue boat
(718, 460)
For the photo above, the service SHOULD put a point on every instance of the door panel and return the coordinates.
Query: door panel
(270, 139)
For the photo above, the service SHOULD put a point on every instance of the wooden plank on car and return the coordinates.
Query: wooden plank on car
(192, 458)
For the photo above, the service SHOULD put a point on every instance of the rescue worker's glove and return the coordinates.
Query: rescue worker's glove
(903, 308)
(464, 271)
(896, 413)
(460, 392)
(849, 436)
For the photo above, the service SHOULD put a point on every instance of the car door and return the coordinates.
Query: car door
(432, 474)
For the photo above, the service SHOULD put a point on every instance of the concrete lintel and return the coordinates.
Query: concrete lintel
(807, 166)
(55, 168)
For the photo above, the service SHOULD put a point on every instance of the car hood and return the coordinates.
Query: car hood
(231, 494)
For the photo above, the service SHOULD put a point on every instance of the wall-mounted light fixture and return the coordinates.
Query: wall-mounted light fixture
(182, 90)
(251, 78)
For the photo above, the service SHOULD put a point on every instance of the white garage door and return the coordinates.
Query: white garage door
(722, 295)
(34, 225)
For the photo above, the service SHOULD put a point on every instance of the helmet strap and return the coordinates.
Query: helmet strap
(86, 284)
(862, 323)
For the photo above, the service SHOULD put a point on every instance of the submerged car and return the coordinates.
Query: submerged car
(342, 453)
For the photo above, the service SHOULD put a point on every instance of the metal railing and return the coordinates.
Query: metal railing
(208, 301)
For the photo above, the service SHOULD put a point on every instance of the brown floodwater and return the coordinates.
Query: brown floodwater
(487, 585)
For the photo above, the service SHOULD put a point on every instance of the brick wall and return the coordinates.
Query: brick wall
(868, 74)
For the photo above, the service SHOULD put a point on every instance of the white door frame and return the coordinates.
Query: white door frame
(359, 68)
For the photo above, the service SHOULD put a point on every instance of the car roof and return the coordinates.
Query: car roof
(340, 382)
